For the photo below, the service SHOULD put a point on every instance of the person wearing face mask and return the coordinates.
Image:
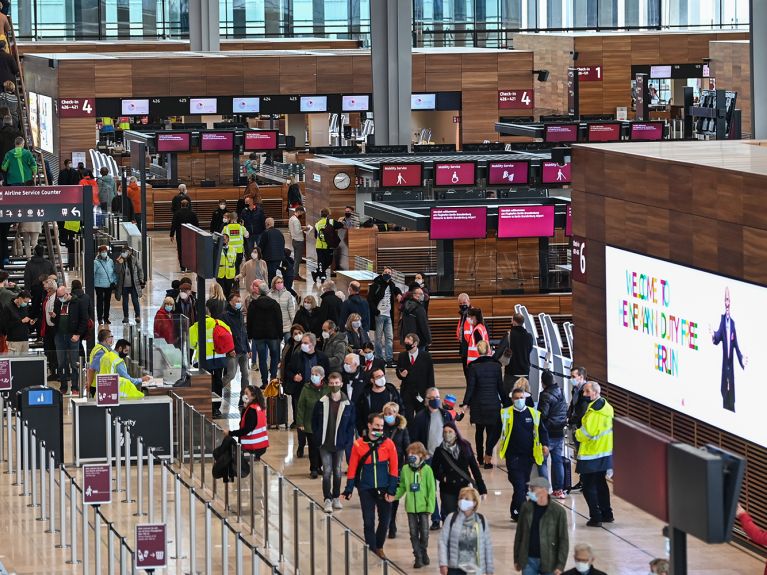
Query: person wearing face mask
(113, 363)
(272, 244)
(104, 281)
(184, 215)
(414, 320)
(130, 282)
(395, 428)
(583, 556)
(355, 304)
(219, 218)
(186, 302)
(311, 393)
(298, 230)
(66, 318)
(463, 331)
(287, 305)
(524, 442)
(254, 220)
(465, 545)
(333, 421)
(382, 296)
(374, 398)
(164, 323)
(333, 345)
(265, 331)
(121, 205)
(288, 276)
(595, 454)
(254, 269)
(374, 471)
(576, 409)
(227, 266)
(416, 483)
(308, 316)
(478, 333)
(415, 370)
(330, 303)
(253, 432)
(291, 348)
(369, 362)
(356, 336)
(104, 341)
(48, 327)
(354, 377)
(514, 351)
(232, 317)
(541, 542)
(16, 323)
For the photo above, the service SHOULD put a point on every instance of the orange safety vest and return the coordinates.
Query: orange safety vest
(473, 352)
(258, 438)
(465, 327)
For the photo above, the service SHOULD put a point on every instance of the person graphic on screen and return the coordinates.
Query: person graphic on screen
(400, 179)
(560, 175)
(727, 336)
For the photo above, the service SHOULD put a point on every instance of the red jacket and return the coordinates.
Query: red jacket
(164, 327)
(757, 535)
(379, 469)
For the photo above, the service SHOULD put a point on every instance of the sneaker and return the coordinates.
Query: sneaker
(126, 320)
(577, 487)
(435, 526)
(593, 523)
(337, 503)
(559, 494)
(426, 559)
(328, 506)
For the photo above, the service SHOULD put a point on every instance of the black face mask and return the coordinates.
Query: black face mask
(409, 346)
(348, 214)
(122, 354)
(463, 307)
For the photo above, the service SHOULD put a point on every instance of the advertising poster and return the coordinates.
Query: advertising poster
(45, 115)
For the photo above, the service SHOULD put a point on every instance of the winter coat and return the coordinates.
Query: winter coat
(376, 292)
(450, 481)
(252, 270)
(309, 320)
(134, 265)
(356, 339)
(254, 221)
(19, 166)
(553, 408)
(34, 268)
(123, 206)
(484, 392)
(344, 431)
(310, 395)
(414, 320)
(104, 274)
(425, 499)
(335, 348)
(165, 326)
(107, 189)
(520, 342)
(297, 366)
(272, 244)
(264, 319)
(330, 308)
(450, 537)
(355, 304)
(363, 404)
(552, 531)
(287, 306)
(233, 318)
(400, 437)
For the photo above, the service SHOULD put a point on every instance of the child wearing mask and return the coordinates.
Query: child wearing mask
(416, 483)
(449, 404)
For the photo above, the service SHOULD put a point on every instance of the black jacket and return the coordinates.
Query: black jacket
(484, 391)
(217, 220)
(297, 365)
(233, 318)
(363, 404)
(330, 308)
(376, 293)
(421, 423)
(35, 267)
(579, 403)
(553, 408)
(121, 204)
(355, 304)
(84, 308)
(377, 363)
(309, 320)
(264, 318)
(357, 339)
(272, 244)
(78, 317)
(12, 326)
(358, 382)
(450, 480)
(294, 194)
(520, 342)
(400, 437)
(175, 204)
(414, 320)
(181, 217)
(68, 177)
(420, 375)
(8, 68)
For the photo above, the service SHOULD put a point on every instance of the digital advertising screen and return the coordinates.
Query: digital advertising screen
(135, 107)
(45, 116)
(246, 105)
(507, 173)
(604, 132)
(455, 174)
(553, 173)
(687, 339)
(560, 133)
(399, 175)
(360, 103)
(202, 105)
(173, 141)
(263, 140)
(423, 101)
(646, 131)
(314, 104)
(216, 141)
(458, 223)
(525, 221)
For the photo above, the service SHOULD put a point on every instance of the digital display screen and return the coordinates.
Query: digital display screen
(554, 133)
(359, 103)
(216, 141)
(687, 339)
(646, 131)
(135, 107)
(569, 220)
(173, 141)
(553, 173)
(458, 223)
(202, 106)
(660, 71)
(423, 101)
(525, 221)
(246, 105)
(507, 173)
(607, 132)
(40, 397)
(45, 116)
(455, 174)
(266, 140)
(399, 175)
(314, 104)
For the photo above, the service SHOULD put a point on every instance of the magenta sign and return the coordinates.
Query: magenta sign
(507, 173)
(553, 173)
(97, 484)
(569, 220)
(397, 175)
(150, 546)
(554, 133)
(217, 141)
(647, 131)
(454, 174)
(107, 390)
(260, 141)
(5, 375)
(173, 142)
(525, 221)
(608, 132)
(458, 223)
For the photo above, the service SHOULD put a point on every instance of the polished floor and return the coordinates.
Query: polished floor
(624, 547)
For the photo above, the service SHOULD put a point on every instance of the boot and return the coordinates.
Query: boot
(488, 462)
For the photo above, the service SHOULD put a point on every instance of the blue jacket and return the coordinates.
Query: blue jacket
(104, 273)
(344, 423)
(355, 304)
(233, 318)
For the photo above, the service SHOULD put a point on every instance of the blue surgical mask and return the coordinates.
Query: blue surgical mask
(369, 356)
(238, 305)
(386, 277)
(356, 324)
(168, 308)
(532, 496)
(519, 404)
(389, 419)
(316, 379)
(413, 460)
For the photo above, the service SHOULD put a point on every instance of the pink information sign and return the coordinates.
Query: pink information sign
(97, 484)
(107, 390)
(458, 223)
(525, 221)
(150, 546)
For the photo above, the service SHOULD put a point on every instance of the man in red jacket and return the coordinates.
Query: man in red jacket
(373, 470)
(756, 534)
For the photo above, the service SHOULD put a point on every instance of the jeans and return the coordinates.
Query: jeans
(484, 445)
(384, 337)
(331, 468)
(260, 346)
(556, 445)
(533, 567)
(597, 495)
(131, 291)
(103, 299)
(518, 468)
(67, 354)
(241, 360)
(370, 502)
(418, 523)
(272, 266)
(299, 250)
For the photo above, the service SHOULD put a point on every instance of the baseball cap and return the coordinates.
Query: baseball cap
(540, 482)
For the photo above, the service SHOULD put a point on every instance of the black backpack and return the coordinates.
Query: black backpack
(330, 235)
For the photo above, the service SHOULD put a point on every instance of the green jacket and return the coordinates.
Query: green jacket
(423, 500)
(310, 395)
(553, 536)
(19, 166)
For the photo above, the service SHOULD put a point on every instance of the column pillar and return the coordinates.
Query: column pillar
(203, 26)
(758, 73)
(392, 65)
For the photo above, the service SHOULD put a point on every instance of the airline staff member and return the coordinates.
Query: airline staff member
(113, 362)
(478, 333)
(103, 345)
(253, 434)
(227, 266)
(237, 234)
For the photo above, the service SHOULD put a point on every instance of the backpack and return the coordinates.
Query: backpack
(330, 235)
(223, 342)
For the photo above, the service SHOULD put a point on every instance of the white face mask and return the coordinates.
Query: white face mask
(183, 295)
(297, 337)
(582, 567)
(349, 368)
(254, 255)
(325, 335)
(380, 382)
(466, 505)
(226, 220)
(245, 399)
(308, 307)
(222, 206)
(305, 347)
(356, 324)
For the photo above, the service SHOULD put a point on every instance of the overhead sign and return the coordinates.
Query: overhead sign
(107, 390)
(76, 108)
(590, 73)
(97, 484)
(150, 546)
(40, 203)
(516, 99)
(5, 375)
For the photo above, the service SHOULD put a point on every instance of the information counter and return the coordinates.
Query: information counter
(151, 418)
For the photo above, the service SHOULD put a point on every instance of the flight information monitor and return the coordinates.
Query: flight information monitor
(203, 105)
(401, 175)
(525, 221)
(360, 103)
(459, 223)
(507, 173)
(246, 105)
(647, 131)
(423, 101)
(455, 174)
(604, 132)
(135, 107)
(314, 104)
(560, 133)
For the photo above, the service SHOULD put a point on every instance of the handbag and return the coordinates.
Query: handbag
(461, 473)
(505, 359)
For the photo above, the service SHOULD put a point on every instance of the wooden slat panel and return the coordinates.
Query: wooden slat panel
(298, 75)
(419, 73)
(363, 74)
(442, 72)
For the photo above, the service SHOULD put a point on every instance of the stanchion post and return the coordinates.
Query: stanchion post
(280, 491)
(110, 549)
(191, 442)
(127, 450)
(139, 477)
(295, 529)
(192, 533)
(25, 480)
(43, 502)
(202, 449)
(62, 510)
(85, 539)
(17, 480)
(164, 493)
(328, 547)
(180, 431)
(253, 497)
(118, 459)
(33, 470)
(9, 427)
(177, 515)
(208, 542)
(123, 556)
(72, 523)
(266, 505)
(150, 474)
(238, 467)
(312, 563)
(347, 552)
(97, 539)
(52, 492)
(108, 428)
(224, 546)
(237, 554)
(2, 429)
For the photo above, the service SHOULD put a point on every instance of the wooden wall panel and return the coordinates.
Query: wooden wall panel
(731, 66)
(115, 79)
(419, 73)
(363, 74)
(442, 72)
(480, 72)
(334, 74)
(298, 75)
(552, 53)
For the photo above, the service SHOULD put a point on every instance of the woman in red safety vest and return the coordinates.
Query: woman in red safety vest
(478, 333)
(253, 434)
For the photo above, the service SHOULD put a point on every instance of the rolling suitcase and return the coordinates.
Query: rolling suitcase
(277, 411)
(567, 463)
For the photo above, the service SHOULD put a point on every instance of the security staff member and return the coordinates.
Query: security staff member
(103, 345)
(113, 363)
(227, 267)
(237, 234)
(524, 441)
(215, 362)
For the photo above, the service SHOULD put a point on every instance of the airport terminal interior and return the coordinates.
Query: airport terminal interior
(498, 266)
